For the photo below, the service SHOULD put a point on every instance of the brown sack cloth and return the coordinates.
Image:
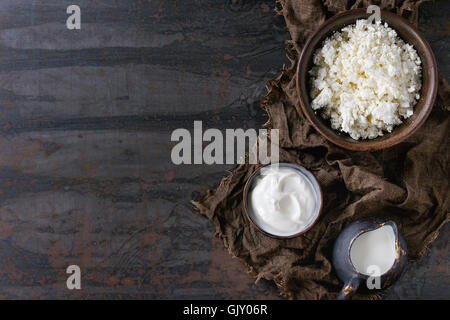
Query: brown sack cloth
(408, 183)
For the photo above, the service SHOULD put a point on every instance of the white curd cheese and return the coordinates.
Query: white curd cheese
(365, 79)
(282, 201)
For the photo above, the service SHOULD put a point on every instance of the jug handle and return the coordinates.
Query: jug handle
(349, 288)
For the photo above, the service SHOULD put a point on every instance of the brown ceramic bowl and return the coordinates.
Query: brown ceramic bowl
(427, 94)
(316, 190)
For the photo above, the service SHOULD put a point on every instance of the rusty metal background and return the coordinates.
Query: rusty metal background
(85, 123)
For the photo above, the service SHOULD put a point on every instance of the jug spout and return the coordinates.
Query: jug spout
(349, 288)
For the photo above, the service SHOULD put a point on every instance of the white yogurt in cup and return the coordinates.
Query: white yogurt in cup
(283, 200)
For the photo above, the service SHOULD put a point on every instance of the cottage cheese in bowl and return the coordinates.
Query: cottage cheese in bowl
(365, 80)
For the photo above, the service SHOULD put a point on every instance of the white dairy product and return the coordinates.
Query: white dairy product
(365, 79)
(282, 201)
(374, 248)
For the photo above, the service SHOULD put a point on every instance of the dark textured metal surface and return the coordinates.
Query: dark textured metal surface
(85, 123)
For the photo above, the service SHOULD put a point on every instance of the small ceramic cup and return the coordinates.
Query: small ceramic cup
(315, 187)
(344, 266)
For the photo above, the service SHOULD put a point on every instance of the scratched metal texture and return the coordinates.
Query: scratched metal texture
(85, 123)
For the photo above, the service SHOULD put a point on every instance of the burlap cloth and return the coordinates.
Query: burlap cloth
(408, 183)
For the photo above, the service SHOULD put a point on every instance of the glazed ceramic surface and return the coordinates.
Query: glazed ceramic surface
(346, 270)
